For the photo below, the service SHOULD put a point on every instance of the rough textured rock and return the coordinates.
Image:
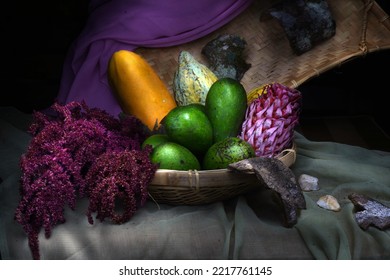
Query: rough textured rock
(329, 202)
(370, 212)
(306, 23)
(225, 56)
(275, 175)
(308, 183)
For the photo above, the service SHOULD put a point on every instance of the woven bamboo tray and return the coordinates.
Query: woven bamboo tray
(361, 27)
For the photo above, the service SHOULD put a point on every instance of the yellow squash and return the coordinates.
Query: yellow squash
(139, 89)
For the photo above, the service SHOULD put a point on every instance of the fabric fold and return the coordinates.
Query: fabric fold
(342, 169)
(129, 24)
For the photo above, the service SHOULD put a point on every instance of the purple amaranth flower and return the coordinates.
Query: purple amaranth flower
(65, 145)
(119, 177)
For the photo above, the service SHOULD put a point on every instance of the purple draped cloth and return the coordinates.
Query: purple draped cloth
(129, 24)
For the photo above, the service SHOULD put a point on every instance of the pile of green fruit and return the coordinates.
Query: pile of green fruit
(204, 136)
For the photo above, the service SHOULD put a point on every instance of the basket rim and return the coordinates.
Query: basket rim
(181, 187)
(282, 155)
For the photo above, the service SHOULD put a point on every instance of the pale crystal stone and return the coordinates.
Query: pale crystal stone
(329, 202)
(308, 183)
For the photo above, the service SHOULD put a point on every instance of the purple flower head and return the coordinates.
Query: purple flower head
(119, 177)
(67, 147)
(271, 118)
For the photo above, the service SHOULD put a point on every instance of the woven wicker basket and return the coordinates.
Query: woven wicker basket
(361, 27)
(205, 186)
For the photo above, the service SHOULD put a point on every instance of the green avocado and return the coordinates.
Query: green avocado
(226, 104)
(227, 151)
(173, 156)
(190, 127)
(154, 140)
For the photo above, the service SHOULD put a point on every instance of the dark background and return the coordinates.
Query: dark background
(37, 34)
(35, 38)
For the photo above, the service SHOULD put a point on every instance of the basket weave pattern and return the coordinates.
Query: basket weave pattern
(205, 186)
(361, 27)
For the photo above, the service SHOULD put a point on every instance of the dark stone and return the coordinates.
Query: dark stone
(225, 56)
(276, 176)
(370, 212)
(306, 22)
